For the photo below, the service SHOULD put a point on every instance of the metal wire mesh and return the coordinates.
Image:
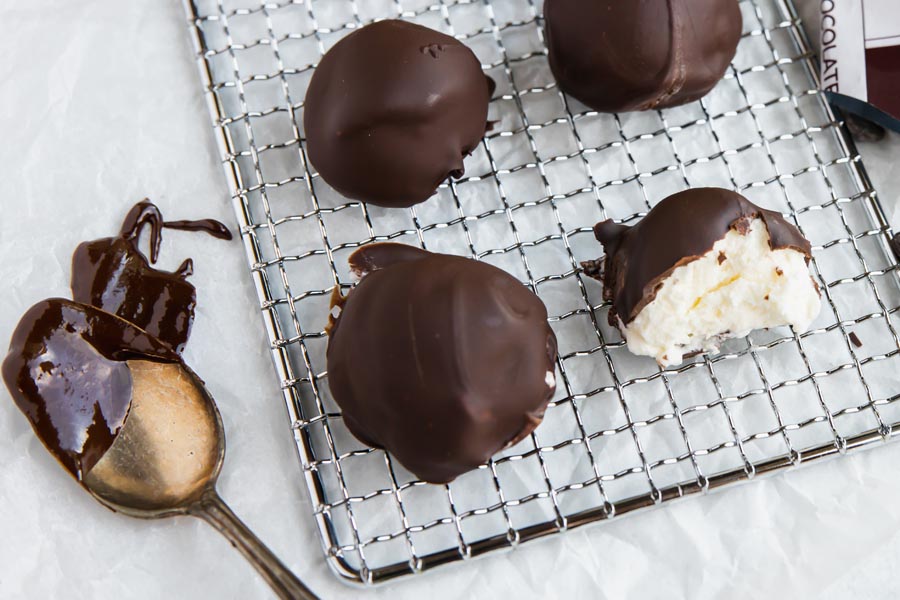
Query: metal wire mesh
(621, 434)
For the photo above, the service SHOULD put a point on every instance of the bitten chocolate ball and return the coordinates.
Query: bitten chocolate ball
(704, 265)
(618, 56)
(441, 360)
(392, 110)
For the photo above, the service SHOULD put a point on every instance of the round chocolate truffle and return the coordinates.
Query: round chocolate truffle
(617, 56)
(392, 110)
(441, 360)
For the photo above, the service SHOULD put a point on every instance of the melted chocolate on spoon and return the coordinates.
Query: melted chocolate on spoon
(116, 405)
(114, 275)
(66, 365)
(66, 371)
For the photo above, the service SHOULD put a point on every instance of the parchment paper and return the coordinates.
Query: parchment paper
(100, 107)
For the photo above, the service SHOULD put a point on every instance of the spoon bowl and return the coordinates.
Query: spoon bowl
(166, 459)
(170, 449)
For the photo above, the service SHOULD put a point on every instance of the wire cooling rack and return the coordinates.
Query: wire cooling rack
(621, 434)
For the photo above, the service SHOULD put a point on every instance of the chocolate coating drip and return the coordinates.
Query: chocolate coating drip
(65, 371)
(381, 256)
(678, 230)
(114, 275)
(214, 228)
(439, 359)
(617, 56)
(392, 110)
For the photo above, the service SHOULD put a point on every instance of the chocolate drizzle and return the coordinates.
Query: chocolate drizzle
(114, 275)
(440, 359)
(210, 226)
(678, 230)
(618, 55)
(67, 363)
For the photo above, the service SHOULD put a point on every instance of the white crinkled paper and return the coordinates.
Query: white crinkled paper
(101, 106)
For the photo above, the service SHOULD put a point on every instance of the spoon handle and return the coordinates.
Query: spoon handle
(212, 509)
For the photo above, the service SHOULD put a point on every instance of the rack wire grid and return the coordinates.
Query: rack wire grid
(622, 434)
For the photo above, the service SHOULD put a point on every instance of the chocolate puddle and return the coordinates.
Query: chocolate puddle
(114, 275)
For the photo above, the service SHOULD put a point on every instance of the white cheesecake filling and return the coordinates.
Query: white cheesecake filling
(738, 286)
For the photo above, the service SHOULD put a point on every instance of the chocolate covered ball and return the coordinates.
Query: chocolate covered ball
(392, 110)
(617, 56)
(441, 360)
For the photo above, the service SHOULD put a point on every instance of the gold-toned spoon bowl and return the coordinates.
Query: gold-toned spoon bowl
(166, 459)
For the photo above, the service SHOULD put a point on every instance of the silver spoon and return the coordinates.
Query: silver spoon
(165, 462)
